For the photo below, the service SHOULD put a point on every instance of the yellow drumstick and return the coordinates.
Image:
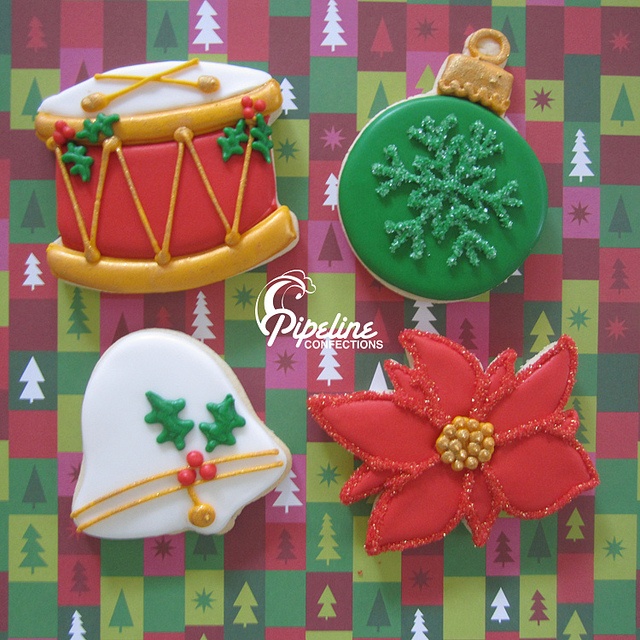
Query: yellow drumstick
(206, 84)
(97, 101)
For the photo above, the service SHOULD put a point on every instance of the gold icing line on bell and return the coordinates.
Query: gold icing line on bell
(166, 474)
(165, 492)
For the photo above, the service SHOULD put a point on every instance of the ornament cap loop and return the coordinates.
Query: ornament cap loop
(490, 45)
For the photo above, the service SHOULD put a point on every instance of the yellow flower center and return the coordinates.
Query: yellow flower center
(465, 443)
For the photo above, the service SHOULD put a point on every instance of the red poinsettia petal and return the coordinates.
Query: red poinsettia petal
(453, 370)
(540, 474)
(363, 483)
(542, 388)
(501, 375)
(407, 393)
(374, 429)
(419, 510)
(482, 510)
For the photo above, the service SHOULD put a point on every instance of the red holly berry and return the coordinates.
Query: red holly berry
(186, 477)
(248, 113)
(260, 105)
(208, 471)
(247, 101)
(195, 458)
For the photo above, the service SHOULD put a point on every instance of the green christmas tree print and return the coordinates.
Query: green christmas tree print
(622, 112)
(32, 550)
(166, 38)
(34, 493)
(451, 189)
(121, 616)
(33, 101)
(379, 616)
(78, 317)
(33, 218)
(327, 544)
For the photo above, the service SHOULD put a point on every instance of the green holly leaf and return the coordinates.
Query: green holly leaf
(225, 420)
(165, 412)
(231, 140)
(101, 125)
(261, 137)
(82, 163)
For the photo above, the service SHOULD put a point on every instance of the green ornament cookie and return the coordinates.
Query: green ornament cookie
(441, 198)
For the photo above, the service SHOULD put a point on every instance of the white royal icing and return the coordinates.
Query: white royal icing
(156, 96)
(120, 448)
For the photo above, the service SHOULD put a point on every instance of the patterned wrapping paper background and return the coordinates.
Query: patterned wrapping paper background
(294, 568)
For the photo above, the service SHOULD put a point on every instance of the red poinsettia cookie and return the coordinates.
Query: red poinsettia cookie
(455, 442)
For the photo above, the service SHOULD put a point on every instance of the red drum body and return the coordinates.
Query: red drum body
(196, 226)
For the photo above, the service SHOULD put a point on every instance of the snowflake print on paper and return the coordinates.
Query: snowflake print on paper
(452, 189)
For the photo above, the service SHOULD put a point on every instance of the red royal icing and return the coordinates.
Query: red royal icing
(537, 467)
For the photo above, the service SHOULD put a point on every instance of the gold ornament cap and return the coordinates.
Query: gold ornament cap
(478, 73)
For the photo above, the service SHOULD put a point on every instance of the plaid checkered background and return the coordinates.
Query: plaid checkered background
(293, 567)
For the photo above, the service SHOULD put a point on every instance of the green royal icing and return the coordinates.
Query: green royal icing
(225, 420)
(452, 189)
(165, 412)
(76, 154)
(443, 247)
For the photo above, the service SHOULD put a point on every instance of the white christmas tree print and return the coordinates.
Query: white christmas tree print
(329, 365)
(423, 317)
(32, 272)
(76, 630)
(580, 160)
(500, 604)
(331, 192)
(201, 321)
(419, 629)
(378, 382)
(287, 490)
(333, 30)
(32, 377)
(207, 26)
(288, 97)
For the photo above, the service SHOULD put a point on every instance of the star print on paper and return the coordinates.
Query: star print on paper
(620, 41)
(163, 547)
(332, 138)
(287, 150)
(542, 99)
(578, 318)
(614, 548)
(165, 412)
(616, 328)
(244, 296)
(204, 600)
(579, 213)
(285, 361)
(426, 29)
(420, 579)
(329, 474)
(226, 419)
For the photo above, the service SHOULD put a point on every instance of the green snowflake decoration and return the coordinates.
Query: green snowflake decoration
(225, 420)
(451, 189)
(76, 154)
(102, 125)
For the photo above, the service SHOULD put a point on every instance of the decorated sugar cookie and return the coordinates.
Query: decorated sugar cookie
(170, 441)
(439, 195)
(455, 442)
(165, 176)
